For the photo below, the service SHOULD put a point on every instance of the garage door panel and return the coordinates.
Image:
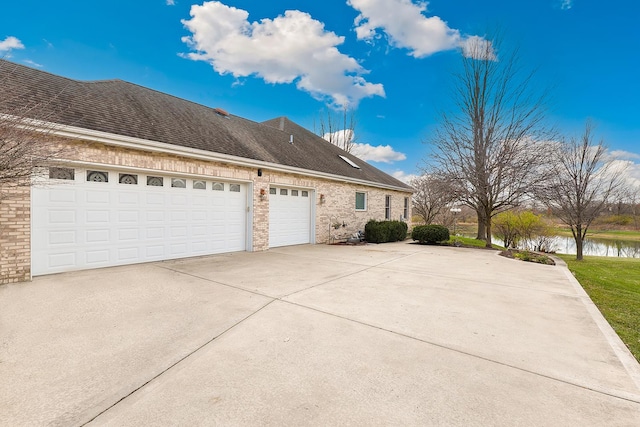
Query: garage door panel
(155, 199)
(64, 195)
(129, 198)
(155, 216)
(125, 234)
(79, 224)
(97, 236)
(62, 237)
(155, 233)
(62, 260)
(98, 217)
(155, 252)
(128, 216)
(97, 197)
(128, 254)
(60, 217)
(100, 256)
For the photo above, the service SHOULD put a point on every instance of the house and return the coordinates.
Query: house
(146, 176)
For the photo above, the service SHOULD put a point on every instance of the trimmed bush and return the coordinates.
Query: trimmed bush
(430, 234)
(385, 231)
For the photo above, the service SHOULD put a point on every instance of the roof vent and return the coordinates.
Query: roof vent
(291, 139)
(221, 112)
(349, 161)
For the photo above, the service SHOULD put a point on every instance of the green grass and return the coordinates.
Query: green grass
(468, 242)
(614, 286)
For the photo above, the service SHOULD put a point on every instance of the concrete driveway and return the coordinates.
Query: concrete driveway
(393, 334)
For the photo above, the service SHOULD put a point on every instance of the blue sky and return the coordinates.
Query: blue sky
(393, 58)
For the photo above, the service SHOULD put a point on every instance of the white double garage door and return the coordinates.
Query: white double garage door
(86, 218)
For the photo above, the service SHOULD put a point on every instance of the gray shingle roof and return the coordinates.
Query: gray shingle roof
(123, 108)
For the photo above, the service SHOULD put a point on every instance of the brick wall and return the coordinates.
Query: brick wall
(338, 206)
(15, 237)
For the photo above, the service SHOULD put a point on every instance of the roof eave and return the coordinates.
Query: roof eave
(162, 147)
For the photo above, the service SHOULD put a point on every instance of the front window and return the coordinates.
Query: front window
(361, 201)
(406, 208)
(387, 207)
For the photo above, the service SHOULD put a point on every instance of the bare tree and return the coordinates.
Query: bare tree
(26, 132)
(338, 128)
(581, 184)
(431, 197)
(489, 146)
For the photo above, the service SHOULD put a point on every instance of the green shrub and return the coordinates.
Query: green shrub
(385, 231)
(430, 234)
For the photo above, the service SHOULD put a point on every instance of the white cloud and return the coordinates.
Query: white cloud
(626, 164)
(621, 154)
(377, 153)
(10, 43)
(566, 4)
(339, 137)
(478, 48)
(292, 47)
(366, 152)
(405, 25)
(171, 2)
(404, 177)
(32, 63)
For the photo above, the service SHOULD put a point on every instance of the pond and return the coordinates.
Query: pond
(598, 247)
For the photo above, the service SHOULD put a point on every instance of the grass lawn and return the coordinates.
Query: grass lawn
(468, 242)
(614, 286)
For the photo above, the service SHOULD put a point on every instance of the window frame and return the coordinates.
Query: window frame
(364, 199)
(387, 207)
(406, 208)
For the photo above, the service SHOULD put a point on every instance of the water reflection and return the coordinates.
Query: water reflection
(598, 247)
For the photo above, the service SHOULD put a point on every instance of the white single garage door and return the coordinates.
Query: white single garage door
(289, 216)
(90, 218)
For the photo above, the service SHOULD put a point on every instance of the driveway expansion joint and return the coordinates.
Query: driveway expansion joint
(617, 394)
(176, 363)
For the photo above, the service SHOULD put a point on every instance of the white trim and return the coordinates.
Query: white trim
(161, 147)
(366, 201)
(82, 164)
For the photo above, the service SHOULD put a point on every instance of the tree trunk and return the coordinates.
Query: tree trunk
(579, 248)
(488, 230)
(482, 232)
(579, 241)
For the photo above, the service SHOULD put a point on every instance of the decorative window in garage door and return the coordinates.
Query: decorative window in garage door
(97, 176)
(234, 188)
(218, 186)
(178, 183)
(199, 185)
(126, 178)
(154, 181)
(62, 173)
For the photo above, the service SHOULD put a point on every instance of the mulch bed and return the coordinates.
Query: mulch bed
(528, 256)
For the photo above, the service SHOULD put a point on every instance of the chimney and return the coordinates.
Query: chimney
(221, 112)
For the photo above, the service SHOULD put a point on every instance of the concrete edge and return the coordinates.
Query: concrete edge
(619, 348)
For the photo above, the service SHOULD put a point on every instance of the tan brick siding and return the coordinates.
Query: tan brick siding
(338, 206)
(15, 237)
